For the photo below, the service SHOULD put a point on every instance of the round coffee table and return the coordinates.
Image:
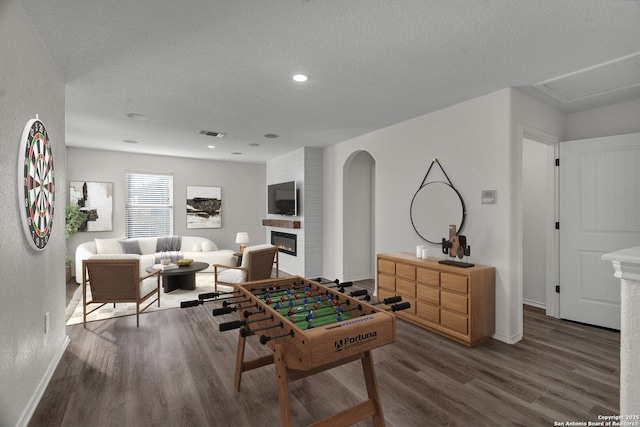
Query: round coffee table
(181, 277)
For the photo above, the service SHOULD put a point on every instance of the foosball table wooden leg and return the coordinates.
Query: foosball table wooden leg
(283, 388)
(372, 388)
(239, 361)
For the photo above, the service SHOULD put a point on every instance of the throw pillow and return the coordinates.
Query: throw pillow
(197, 247)
(107, 246)
(130, 247)
(207, 247)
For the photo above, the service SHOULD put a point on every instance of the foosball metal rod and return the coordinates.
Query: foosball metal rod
(336, 282)
(276, 287)
(202, 298)
(357, 307)
(227, 310)
(247, 331)
(239, 323)
(214, 295)
(299, 302)
(265, 339)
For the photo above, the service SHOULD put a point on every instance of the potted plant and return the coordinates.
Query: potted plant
(74, 217)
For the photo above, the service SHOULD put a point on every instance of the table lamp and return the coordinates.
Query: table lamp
(242, 239)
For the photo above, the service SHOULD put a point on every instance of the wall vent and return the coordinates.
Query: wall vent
(211, 133)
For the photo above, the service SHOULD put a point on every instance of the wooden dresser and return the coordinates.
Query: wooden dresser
(457, 303)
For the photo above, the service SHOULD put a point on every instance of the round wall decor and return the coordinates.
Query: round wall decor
(36, 184)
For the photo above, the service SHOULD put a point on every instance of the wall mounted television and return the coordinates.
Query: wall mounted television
(282, 199)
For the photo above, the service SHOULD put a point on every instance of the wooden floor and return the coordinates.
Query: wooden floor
(177, 370)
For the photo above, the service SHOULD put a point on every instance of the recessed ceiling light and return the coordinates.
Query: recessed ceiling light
(130, 141)
(271, 135)
(235, 153)
(300, 78)
(211, 146)
(136, 116)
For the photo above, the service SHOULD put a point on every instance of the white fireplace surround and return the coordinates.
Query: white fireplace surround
(626, 264)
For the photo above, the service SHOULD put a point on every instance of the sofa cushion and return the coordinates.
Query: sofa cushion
(107, 246)
(208, 247)
(197, 247)
(130, 247)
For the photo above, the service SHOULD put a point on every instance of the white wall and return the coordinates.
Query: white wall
(471, 140)
(242, 188)
(479, 144)
(538, 219)
(32, 281)
(304, 166)
(612, 120)
(358, 217)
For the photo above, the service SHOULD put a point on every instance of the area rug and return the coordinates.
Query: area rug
(204, 284)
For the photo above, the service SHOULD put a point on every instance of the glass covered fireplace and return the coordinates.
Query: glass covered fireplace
(285, 242)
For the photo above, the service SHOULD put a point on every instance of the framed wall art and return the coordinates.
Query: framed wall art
(96, 200)
(204, 207)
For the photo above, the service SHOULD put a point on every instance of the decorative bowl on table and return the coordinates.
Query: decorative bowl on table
(183, 262)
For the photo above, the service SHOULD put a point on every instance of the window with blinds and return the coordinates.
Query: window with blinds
(148, 205)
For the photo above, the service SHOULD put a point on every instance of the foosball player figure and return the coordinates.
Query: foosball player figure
(291, 313)
(334, 303)
(310, 320)
(305, 301)
(315, 307)
(277, 306)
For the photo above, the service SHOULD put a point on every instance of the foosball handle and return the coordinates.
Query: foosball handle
(231, 325)
(193, 303)
(209, 295)
(401, 306)
(392, 300)
(359, 293)
(265, 339)
(343, 285)
(223, 310)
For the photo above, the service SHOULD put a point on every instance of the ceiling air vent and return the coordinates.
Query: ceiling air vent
(211, 133)
(619, 74)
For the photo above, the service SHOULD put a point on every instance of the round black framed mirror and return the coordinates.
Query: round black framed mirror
(434, 207)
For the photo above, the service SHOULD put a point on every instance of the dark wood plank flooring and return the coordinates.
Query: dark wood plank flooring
(177, 370)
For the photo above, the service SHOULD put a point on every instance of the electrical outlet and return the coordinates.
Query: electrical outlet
(46, 322)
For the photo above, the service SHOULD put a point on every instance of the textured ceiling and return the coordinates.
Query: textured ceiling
(226, 66)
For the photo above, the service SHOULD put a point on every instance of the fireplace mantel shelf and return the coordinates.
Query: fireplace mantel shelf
(282, 223)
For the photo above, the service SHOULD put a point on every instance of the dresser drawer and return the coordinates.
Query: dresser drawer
(454, 282)
(430, 277)
(406, 288)
(386, 282)
(386, 266)
(454, 302)
(428, 312)
(406, 271)
(428, 294)
(454, 321)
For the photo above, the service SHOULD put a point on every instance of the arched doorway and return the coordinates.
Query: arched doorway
(359, 216)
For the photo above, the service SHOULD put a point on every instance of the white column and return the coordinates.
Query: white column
(626, 264)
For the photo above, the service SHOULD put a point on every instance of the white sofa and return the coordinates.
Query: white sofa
(196, 248)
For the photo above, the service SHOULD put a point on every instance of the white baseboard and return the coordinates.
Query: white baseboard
(535, 304)
(507, 339)
(42, 386)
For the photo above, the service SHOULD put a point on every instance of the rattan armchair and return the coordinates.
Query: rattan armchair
(257, 264)
(118, 279)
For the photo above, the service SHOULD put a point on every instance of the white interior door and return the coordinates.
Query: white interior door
(599, 213)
